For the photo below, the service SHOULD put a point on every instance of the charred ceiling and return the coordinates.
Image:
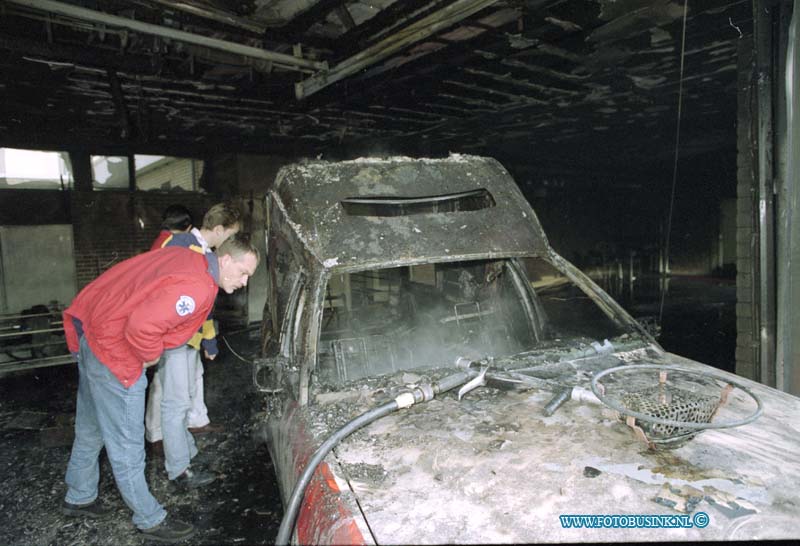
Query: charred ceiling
(579, 84)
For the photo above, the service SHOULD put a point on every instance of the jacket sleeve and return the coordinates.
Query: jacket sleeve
(210, 346)
(205, 337)
(176, 309)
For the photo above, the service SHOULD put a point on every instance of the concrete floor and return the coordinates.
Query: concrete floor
(36, 417)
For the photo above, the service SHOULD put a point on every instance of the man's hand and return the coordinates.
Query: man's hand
(208, 356)
(150, 362)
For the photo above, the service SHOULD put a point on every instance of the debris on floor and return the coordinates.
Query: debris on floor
(37, 409)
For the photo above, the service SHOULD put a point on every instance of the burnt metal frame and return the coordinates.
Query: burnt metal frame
(764, 275)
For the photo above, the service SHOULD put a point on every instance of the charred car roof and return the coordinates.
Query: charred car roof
(370, 212)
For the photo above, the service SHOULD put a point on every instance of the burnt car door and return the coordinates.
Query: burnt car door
(277, 371)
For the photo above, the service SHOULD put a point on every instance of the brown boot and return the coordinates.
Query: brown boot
(156, 449)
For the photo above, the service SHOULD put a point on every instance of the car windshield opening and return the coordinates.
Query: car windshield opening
(382, 321)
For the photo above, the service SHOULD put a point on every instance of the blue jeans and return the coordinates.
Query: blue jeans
(177, 374)
(110, 415)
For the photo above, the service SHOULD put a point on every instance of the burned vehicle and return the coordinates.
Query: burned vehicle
(434, 372)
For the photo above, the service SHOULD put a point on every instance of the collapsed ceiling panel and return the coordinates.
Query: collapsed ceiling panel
(528, 79)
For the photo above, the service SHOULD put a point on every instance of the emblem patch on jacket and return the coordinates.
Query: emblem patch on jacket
(184, 306)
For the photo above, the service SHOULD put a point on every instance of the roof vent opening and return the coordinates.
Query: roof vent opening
(407, 206)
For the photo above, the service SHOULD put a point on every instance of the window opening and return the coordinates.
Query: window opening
(110, 172)
(33, 169)
(165, 173)
(408, 206)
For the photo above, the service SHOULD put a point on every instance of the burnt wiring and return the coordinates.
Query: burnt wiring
(237, 355)
(677, 151)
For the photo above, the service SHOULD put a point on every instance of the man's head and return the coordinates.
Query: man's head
(220, 222)
(176, 218)
(238, 259)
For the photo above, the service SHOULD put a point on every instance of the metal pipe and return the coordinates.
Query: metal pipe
(19, 365)
(3, 294)
(557, 401)
(68, 10)
(28, 332)
(427, 26)
(50, 314)
(765, 266)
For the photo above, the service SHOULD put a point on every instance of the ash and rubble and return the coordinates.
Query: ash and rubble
(455, 464)
(37, 410)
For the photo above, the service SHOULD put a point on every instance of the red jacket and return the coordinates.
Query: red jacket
(141, 306)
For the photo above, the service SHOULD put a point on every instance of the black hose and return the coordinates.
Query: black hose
(292, 507)
(419, 394)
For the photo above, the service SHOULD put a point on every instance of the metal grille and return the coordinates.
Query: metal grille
(674, 404)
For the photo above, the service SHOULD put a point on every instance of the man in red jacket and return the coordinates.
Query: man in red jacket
(118, 325)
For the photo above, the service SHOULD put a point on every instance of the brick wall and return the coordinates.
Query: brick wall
(110, 226)
(746, 216)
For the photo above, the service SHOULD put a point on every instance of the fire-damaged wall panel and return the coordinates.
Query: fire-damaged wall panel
(36, 266)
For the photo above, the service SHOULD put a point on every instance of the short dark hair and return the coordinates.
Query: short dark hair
(176, 218)
(222, 214)
(237, 246)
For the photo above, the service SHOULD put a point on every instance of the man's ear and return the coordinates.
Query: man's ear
(224, 260)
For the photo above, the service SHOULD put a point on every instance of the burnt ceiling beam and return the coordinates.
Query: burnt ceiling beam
(509, 80)
(119, 104)
(99, 58)
(417, 73)
(305, 20)
(494, 92)
(286, 61)
(413, 33)
(358, 37)
(212, 14)
(344, 16)
(561, 82)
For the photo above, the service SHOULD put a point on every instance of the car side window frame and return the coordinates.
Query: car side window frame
(290, 323)
(528, 297)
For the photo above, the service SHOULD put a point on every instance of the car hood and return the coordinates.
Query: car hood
(492, 468)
